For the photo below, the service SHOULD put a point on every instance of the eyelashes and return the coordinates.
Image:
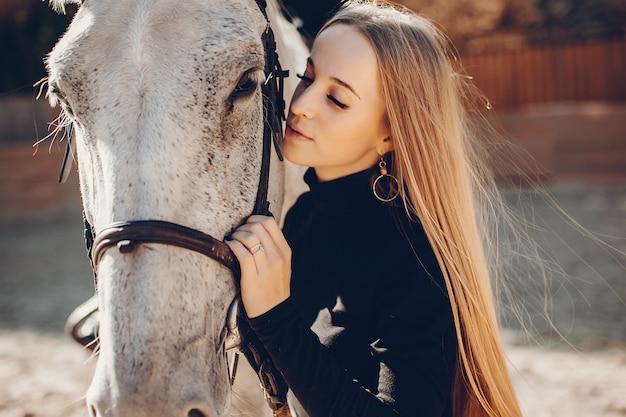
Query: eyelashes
(308, 81)
(336, 102)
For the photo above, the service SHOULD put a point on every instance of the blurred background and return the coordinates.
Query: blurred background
(554, 74)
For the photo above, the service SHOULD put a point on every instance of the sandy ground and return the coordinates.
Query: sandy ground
(44, 274)
(47, 375)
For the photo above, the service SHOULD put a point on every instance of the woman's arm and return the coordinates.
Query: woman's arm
(415, 346)
(416, 362)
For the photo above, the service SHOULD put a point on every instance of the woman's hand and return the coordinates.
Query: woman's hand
(265, 260)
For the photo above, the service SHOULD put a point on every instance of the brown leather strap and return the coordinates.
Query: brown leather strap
(273, 112)
(274, 386)
(126, 235)
(271, 379)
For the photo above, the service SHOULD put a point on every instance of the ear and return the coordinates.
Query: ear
(385, 146)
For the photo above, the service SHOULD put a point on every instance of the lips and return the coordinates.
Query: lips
(296, 133)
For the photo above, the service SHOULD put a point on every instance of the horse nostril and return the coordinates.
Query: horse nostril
(195, 413)
(92, 411)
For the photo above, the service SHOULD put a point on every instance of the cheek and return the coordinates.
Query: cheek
(359, 129)
(374, 125)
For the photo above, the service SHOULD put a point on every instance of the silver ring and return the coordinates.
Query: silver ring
(256, 248)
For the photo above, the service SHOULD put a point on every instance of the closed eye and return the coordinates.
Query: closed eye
(308, 81)
(336, 102)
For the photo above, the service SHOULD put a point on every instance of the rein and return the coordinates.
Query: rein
(126, 235)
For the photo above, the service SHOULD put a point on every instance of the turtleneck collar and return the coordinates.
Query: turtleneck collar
(351, 194)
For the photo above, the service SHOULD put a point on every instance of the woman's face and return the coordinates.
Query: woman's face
(336, 122)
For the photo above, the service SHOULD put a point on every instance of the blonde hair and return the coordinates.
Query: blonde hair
(442, 182)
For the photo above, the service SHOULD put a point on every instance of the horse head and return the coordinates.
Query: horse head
(164, 99)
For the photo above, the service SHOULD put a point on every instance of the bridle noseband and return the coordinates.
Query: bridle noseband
(126, 235)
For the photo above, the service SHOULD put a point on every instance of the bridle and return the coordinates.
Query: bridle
(126, 235)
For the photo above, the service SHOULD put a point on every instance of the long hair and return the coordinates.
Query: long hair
(442, 183)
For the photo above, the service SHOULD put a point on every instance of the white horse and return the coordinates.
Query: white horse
(165, 101)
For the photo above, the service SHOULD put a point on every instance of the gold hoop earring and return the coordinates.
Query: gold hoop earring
(393, 184)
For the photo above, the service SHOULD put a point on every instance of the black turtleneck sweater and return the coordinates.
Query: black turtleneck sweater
(367, 330)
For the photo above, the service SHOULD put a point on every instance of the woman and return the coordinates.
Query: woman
(385, 306)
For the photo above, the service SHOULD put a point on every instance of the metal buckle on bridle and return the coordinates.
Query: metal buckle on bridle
(232, 339)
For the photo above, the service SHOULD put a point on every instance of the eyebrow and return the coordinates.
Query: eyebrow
(342, 83)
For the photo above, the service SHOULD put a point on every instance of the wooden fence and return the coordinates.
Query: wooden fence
(590, 70)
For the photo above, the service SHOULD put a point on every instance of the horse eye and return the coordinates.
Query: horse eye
(57, 96)
(247, 84)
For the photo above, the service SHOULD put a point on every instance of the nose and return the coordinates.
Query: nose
(302, 101)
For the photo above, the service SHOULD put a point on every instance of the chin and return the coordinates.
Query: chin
(295, 156)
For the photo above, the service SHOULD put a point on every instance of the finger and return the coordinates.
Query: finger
(271, 227)
(246, 260)
(257, 247)
(257, 243)
(249, 237)
(258, 218)
(250, 234)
